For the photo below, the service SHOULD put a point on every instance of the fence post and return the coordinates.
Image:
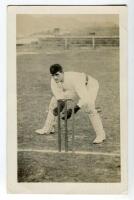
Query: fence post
(93, 42)
(66, 43)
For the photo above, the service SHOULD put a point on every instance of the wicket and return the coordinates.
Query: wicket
(66, 126)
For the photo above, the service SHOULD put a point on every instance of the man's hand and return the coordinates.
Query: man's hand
(61, 106)
(76, 108)
(69, 112)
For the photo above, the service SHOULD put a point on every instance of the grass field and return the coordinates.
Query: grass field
(33, 96)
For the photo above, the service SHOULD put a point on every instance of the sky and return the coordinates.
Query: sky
(29, 23)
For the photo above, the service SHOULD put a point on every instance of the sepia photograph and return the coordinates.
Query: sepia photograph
(68, 99)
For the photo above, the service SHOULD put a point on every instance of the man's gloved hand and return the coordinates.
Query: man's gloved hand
(76, 108)
(69, 112)
(61, 105)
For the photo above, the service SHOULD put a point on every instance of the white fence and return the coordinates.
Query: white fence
(79, 41)
(68, 42)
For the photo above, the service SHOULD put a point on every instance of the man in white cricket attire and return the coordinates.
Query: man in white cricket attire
(68, 85)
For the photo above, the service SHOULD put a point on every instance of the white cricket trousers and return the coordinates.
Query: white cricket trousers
(92, 89)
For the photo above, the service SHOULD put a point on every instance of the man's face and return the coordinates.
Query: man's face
(58, 77)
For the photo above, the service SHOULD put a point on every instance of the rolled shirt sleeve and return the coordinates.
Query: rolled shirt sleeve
(57, 91)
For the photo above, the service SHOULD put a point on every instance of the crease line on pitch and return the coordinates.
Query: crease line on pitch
(76, 152)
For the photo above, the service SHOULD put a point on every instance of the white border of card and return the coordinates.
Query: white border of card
(64, 188)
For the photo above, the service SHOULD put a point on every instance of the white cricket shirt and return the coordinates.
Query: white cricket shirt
(73, 84)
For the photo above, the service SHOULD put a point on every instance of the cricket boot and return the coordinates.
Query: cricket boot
(44, 131)
(98, 128)
(49, 126)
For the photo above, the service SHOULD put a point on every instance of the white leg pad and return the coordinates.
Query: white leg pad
(98, 127)
(50, 122)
